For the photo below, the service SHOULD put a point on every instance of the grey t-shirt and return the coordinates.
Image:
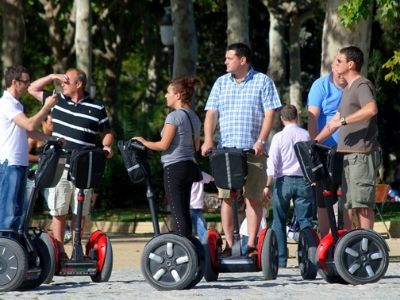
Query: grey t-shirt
(362, 136)
(181, 148)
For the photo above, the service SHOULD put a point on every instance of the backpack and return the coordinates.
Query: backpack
(87, 167)
(50, 166)
(229, 168)
(313, 162)
(134, 155)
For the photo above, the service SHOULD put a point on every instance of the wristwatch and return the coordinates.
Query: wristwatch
(343, 121)
(261, 141)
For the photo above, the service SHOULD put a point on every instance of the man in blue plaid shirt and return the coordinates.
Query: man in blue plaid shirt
(243, 103)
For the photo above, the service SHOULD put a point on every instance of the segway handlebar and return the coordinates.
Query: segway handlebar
(135, 144)
(319, 146)
(245, 151)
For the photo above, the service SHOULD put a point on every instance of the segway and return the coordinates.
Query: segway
(229, 169)
(25, 256)
(169, 261)
(86, 169)
(358, 256)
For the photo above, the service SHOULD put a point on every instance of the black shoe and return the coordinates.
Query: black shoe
(251, 252)
(227, 252)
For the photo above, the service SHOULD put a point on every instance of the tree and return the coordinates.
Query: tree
(61, 38)
(185, 40)
(83, 39)
(13, 26)
(353, 12)
(238, 21)
(336, 36)
(288, 16)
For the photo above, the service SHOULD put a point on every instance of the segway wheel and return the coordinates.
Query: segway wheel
(53, 254)
(169, 262)
(212, 243)
(45, 263)
(13, 264)
(361, 257)
(201, 262)
(99, 248)
(270, 256)
(330, 278)
(306, 252)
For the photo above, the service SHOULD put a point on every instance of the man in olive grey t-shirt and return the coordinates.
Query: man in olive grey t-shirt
(358, 138)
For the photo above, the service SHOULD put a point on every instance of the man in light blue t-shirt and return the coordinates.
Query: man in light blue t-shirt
(323, 102)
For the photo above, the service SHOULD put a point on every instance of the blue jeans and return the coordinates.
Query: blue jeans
(285, 189)
(198, 222)
(12, 195)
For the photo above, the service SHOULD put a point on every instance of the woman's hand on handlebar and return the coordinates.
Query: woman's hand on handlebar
(140, 139)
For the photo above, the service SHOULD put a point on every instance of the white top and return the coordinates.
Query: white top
(13, 138)
(263, 224)
(197, 193)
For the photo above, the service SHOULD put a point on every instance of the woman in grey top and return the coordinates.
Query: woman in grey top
(176, 145)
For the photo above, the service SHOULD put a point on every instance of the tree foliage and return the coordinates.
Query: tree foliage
(387, 13)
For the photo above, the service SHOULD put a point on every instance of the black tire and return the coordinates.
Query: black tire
(13, 264)
(329, 278)
(43, 254)
(306, 252)
(361, 256)
(44, 236)
(270, 256)
(210, 253)
(104, 274)
(201, 262)
(169, 262)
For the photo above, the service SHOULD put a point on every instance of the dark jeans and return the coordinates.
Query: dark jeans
(178, 180)
(285, 189)
(12, 195)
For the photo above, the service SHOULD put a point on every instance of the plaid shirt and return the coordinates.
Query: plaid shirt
(241, 107)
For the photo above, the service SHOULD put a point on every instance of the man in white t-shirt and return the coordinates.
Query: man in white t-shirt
(197, 205)
(15, 127)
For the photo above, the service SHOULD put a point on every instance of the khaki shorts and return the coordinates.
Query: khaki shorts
(64, 195)
(256, 179)
(359, 179)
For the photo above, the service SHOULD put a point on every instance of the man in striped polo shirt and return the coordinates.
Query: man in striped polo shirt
(78, 119)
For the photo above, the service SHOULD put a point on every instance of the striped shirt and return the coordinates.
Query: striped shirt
(78, 123)
(241, 107)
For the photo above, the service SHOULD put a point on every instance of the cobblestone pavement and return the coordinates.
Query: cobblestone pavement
(130, 284)
(127, 282)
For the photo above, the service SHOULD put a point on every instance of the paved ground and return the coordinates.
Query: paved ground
(127, 282)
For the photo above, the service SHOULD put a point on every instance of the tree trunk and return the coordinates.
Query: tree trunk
(238, 21)
(295, 67)
(83, 40)
(61, 43)
(13, 32)
(277, 62)
(335, 36)
(185, 39)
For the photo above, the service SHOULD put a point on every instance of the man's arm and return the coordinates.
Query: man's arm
(36, 88)
(313, 115)
(31, 123)
(210, 124)
(329, 128)
(265, 130)
(108, 139)
(364, 113)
